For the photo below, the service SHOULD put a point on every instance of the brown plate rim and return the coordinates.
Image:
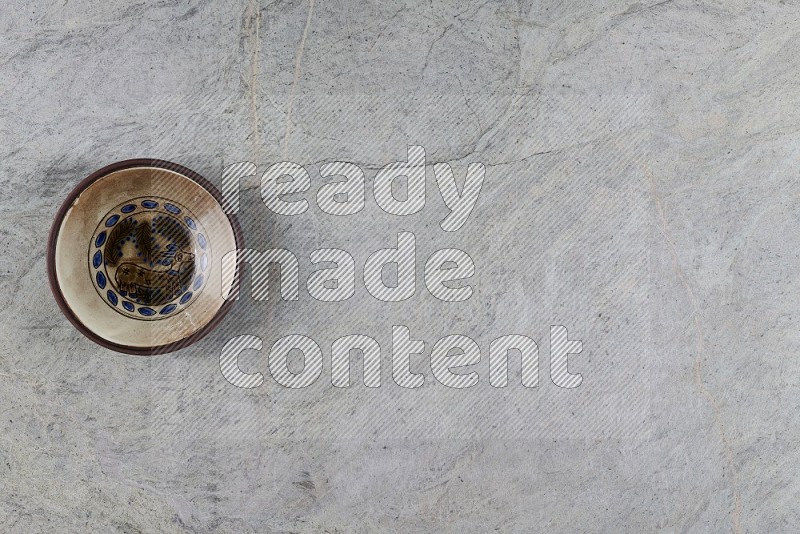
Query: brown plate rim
(51, 256)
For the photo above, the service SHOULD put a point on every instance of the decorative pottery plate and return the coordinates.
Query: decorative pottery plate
(134, 257)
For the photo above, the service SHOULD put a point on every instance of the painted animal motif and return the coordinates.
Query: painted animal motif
(135, 279)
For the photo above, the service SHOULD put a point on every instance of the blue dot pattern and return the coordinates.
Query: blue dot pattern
(166, 228)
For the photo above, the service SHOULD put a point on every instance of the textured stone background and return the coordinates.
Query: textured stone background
(641, 178)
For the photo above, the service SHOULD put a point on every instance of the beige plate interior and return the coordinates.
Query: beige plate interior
(75, 278)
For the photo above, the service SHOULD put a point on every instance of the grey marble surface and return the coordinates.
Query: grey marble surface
(641, 173)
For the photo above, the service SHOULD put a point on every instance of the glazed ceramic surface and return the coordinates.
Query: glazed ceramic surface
(136, 258)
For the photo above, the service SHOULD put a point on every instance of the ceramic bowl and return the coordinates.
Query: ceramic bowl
(134, 257)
